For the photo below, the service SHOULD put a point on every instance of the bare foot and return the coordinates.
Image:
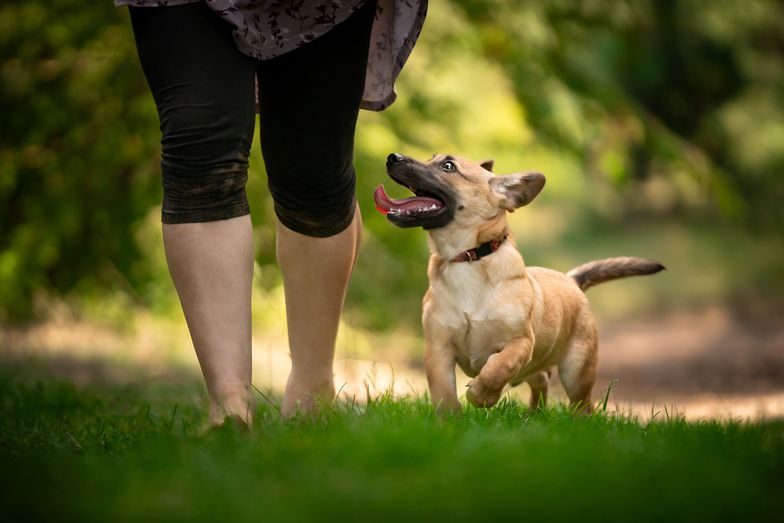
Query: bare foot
(232, 423)
(306, 396)
(235, 410)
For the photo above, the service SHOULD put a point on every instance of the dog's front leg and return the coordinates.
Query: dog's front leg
(440, 369)
(485, 390)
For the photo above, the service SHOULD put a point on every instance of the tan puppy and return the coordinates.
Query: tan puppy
(500, 321)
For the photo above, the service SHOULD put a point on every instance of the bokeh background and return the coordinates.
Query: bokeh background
(659, 125)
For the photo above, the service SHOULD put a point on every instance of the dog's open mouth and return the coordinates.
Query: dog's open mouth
(420, 205)
(433, 202)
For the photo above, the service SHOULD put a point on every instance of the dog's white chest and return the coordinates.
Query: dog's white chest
(475, 317)
(478, 339)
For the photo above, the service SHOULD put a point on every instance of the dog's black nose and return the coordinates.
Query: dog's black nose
(395, 158)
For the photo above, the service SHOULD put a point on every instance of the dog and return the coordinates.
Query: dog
(485, 311)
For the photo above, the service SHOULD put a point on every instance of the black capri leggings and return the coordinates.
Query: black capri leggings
(204, 91)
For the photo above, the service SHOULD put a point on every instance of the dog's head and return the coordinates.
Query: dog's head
(453, 191)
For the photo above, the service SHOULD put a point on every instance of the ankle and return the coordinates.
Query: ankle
(236, 403)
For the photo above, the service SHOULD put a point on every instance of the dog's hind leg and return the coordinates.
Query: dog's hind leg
(539, 383)
(578, 368)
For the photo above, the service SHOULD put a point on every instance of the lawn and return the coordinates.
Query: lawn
(130, 454)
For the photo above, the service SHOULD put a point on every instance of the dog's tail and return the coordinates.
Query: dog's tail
(599, 271)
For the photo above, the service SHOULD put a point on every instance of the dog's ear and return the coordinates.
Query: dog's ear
(516, 190)
(488, 165)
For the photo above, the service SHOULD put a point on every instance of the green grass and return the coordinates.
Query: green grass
(104, 454)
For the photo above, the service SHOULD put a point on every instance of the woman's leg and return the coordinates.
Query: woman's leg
(316, 273)
(211, 265)
(204, 91)
(309, 100)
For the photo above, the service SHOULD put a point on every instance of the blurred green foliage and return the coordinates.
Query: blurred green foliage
(636, 90)
(78, 148)
(637, 111)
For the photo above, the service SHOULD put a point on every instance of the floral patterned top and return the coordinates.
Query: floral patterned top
(268, 28)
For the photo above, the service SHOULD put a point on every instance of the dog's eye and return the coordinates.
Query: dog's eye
(447, 166)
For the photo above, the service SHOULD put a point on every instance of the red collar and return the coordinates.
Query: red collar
(481, 251)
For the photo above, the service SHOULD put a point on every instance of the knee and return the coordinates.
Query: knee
(217, 194)
(313, 198)
(204, 163)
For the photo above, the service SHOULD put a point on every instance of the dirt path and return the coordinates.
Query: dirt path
(706, 364)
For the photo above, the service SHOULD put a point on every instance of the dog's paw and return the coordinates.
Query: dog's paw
(481, 396)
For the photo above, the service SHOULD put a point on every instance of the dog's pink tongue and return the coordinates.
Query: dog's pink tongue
(385, 204)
